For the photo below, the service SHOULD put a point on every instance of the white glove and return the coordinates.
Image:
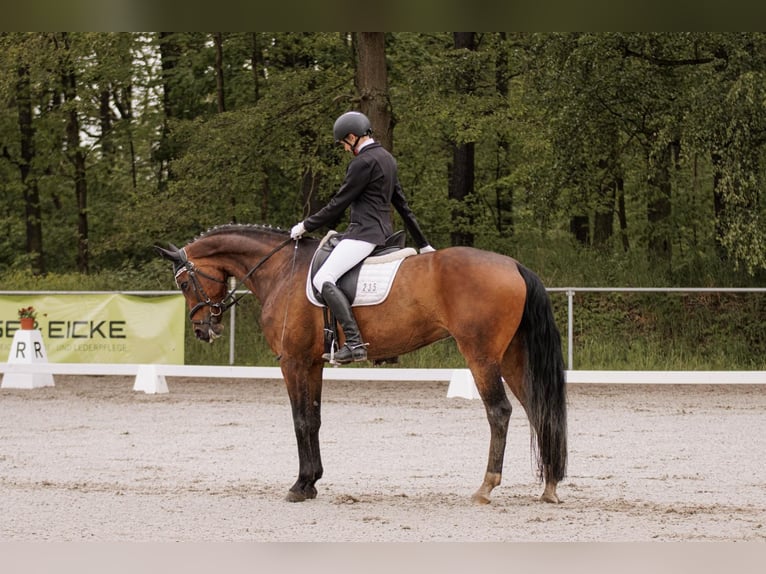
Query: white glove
(427, 249)
(297, 231)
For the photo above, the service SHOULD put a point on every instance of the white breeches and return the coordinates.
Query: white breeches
(346, 254)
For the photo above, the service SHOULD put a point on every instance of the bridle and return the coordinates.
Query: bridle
(203, 299)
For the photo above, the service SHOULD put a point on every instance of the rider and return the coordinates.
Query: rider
(370, 187)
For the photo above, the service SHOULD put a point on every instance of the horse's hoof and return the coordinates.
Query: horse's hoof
(307, 493)
(480, 499)
(293, 496)
(549, 493)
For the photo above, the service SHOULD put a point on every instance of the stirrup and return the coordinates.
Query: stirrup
(347, 354)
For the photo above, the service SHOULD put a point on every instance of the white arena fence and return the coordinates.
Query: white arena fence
(152, 378)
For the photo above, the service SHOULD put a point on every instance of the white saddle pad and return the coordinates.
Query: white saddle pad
(375, 278)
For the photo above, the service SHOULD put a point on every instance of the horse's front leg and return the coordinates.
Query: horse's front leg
(498, 409)
(304, 386)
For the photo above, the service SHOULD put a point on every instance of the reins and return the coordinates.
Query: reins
(287, 307)
(247, 275)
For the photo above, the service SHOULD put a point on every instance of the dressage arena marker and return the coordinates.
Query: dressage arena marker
(150, 381)
(27, 348)
(461, 385)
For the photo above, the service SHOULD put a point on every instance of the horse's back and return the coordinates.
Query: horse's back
(458, 280)
(464, 268)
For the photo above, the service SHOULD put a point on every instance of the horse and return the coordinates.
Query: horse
(496, 310)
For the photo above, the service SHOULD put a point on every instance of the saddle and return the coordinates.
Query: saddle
(367, 283)
(349, 282)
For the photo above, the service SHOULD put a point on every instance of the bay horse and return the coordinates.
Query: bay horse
(497, 311)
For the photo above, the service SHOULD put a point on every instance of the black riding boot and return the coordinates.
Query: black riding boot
(354, 349)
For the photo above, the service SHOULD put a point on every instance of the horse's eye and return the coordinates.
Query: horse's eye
(184, 285)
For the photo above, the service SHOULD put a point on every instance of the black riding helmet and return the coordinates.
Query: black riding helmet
(351, 123)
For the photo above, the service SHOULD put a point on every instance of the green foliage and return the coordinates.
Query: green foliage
(558, 122)
(654, 140)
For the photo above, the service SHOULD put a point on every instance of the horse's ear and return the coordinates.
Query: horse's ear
(173, 254)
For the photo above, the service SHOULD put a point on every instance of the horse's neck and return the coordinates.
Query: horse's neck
(257, 265)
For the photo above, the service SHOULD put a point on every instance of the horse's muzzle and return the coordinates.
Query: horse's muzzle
(209, 330)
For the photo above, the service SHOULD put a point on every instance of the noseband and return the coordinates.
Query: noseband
(204, 300)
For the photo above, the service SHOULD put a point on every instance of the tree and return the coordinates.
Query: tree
(109, 140)
(32, 212)
(272, 160)
(617, 105)
(73, 151)
(503, 191)
(219, 80)
(17, 71)
(371, 81)
(727, 124)
(461, 173)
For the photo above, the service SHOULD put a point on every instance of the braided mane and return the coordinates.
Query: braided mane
(242, 229)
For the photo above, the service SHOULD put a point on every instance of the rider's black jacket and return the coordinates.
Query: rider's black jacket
(370, 188)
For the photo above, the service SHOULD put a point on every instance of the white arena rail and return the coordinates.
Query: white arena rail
(152, 378)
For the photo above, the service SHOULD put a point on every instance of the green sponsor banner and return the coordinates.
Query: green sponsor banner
(101, 328)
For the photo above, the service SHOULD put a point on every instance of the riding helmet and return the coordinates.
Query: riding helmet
(351, 123)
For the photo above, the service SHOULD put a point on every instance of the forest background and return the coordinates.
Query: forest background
(597, 159)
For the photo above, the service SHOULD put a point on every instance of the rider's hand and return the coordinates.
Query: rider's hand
(427, 249)
(297, 231)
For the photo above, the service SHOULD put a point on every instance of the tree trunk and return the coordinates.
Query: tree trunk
(603, 220)
(579, 226)
(126, 113)
(621, 214)
(105, 123)
(170, 52)
(372, 85)
(719, 206)
(461, 181)
(256, 64)
(75, 155)
(121, 93)
(32, 213)
(503, 193)
(659, 208)
(310, 182)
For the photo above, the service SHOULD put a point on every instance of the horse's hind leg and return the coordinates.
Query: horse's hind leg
(514, 372)
(498, 408)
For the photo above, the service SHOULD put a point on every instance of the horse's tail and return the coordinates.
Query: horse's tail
(544, 380)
